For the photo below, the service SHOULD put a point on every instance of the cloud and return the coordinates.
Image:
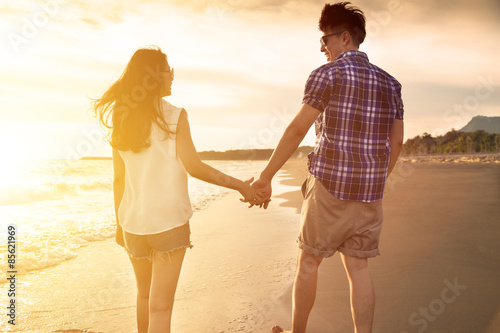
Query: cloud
(442, 11)
(240, 59)
(241, 5)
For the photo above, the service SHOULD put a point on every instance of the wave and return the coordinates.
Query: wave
(65, 227)
(198, 203)
(42, 248)
(59, 216)
(22, 194)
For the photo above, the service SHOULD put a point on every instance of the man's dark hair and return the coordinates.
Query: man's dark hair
(344, 16)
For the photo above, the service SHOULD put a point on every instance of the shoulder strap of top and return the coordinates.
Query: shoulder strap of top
(172, 113)
(172, 118)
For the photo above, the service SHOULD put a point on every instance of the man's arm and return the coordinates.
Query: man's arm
(396, 136)
(293, 136)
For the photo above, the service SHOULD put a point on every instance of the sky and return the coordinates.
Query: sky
(240, 65)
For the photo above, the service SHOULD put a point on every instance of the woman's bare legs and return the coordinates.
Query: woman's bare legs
(156, 285)
(166, 271)
(142, 270)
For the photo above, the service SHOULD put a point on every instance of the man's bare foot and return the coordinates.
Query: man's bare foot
(278, 329)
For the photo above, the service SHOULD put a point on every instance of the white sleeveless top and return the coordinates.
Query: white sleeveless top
(156, 195)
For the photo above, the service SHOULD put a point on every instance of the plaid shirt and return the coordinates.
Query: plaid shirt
(358, 103)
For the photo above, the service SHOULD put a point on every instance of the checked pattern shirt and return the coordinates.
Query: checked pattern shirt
(358, 103)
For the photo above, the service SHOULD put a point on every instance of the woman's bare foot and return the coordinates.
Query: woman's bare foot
(278, 329)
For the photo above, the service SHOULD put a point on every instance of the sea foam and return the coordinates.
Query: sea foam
(58, 209)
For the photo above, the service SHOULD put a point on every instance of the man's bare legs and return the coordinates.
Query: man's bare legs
(304, 291)
(362, 293)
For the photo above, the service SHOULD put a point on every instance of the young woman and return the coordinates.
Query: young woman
(152, 150)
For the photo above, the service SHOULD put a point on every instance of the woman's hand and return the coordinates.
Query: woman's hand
(119, 236)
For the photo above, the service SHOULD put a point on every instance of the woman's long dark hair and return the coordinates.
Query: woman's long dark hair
(133, 102)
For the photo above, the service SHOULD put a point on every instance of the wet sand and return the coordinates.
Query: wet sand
(438, 272)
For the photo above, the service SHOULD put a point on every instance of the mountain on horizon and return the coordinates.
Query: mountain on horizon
(488, 124)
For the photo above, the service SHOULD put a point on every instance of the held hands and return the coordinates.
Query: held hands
(249, 193)
(263, 187)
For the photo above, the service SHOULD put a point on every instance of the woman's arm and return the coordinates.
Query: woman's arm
(196, 168)
(118, 189)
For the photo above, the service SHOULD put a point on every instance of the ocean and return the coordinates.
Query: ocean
(59, 206)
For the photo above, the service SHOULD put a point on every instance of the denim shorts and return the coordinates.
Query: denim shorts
(144, 246)
(329, 224)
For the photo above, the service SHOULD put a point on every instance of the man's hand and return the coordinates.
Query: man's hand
(264, 188)
(287, 145)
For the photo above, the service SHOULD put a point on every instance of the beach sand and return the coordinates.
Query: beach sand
(439, 270)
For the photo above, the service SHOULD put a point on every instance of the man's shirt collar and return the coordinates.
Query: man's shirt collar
(352, 53)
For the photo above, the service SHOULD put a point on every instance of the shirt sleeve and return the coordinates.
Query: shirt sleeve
(399, 102)
(318, 90)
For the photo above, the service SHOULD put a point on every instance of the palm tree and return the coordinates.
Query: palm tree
(486, 142)
(469, 144)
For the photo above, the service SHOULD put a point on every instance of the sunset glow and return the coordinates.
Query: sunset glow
(92, 243)
(238, 64)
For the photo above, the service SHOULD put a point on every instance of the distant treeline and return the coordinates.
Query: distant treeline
(248, 154)
(240, 154)
(453, 142)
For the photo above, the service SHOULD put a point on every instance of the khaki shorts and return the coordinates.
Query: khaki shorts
(329, 224)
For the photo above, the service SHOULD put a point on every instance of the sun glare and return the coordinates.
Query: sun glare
(12, 173)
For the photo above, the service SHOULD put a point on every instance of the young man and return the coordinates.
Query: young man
(358, 112)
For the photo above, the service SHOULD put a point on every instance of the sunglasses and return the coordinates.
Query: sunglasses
(324, 39)
(170, 72)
